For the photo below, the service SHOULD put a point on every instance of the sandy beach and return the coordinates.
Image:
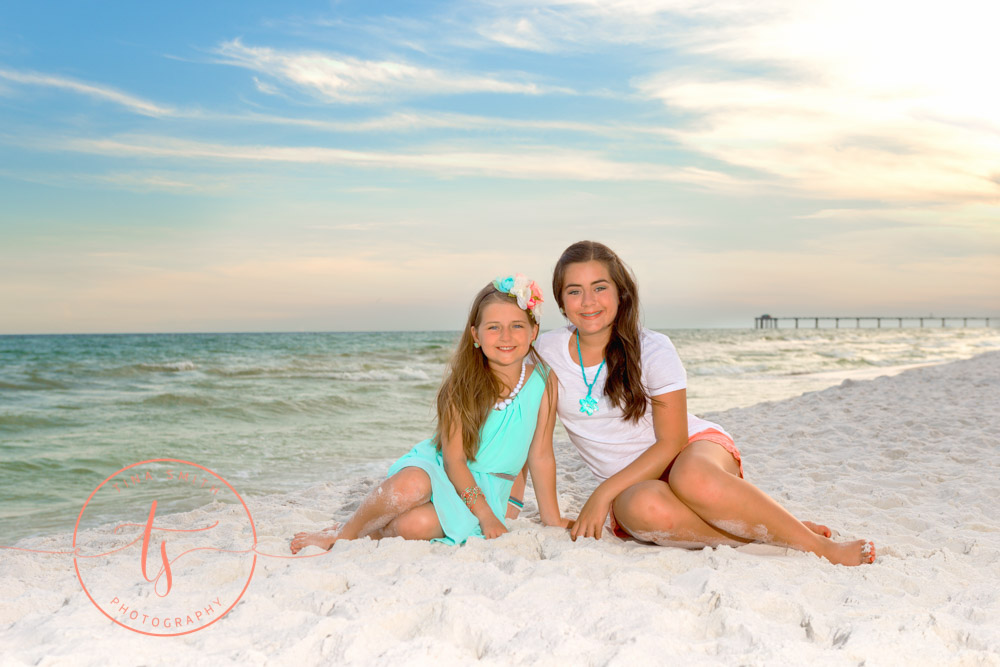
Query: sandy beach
(908, 461)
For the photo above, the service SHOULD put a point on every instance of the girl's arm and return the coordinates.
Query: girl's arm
(456, 466)
(542, 460)
(670, 428)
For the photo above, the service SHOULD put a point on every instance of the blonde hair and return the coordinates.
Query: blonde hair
(470, 389)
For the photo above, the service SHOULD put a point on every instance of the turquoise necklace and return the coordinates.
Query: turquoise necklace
(588, 405)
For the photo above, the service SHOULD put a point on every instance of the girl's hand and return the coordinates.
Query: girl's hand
(590, 523)
(566, 522)
(491, 527)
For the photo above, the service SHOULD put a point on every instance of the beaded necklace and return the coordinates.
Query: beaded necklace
(504, 402)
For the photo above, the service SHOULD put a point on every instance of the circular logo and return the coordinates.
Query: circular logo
(164, 547)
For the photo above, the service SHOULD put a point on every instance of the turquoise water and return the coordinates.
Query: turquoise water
(276, 412)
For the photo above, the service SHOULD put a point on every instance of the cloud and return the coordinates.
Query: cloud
(408, 121)
(412, 121)
(587, 25)
(821, 140)
(134, 180)
(264, 87)
(158, 181)
(546, 162)
(832, 98)
(519, 33)
(351, 80)
(130, 102)
(846, 108)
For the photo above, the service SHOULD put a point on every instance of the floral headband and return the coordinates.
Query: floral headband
(527, 293)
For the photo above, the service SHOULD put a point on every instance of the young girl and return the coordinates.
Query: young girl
(666, 476)
(496, 410)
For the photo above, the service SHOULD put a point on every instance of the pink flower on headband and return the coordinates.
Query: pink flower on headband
(536, 293)
(526, 291)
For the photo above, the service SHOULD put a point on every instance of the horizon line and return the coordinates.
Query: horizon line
(749, 327)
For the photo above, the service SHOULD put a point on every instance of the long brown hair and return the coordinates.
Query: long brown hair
(471, 389)
(624, 380)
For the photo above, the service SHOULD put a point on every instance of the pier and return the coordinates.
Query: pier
(771, 322)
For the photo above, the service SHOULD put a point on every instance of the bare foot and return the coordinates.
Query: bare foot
(323, 539)
(818, 528)
(857, 552)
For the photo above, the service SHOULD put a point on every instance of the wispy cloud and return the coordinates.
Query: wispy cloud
(96, 91)
(159, 181)
(519, 33)
(545, 162)
(575, 25)
(350, 80)
(414, 121)
(184, 182)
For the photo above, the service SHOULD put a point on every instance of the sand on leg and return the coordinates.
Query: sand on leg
(705, 477)
(408, 488)
(649, 511)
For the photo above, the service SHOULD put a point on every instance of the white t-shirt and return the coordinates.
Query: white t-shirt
(605, 440)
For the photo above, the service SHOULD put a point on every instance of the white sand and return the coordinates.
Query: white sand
(909, 461)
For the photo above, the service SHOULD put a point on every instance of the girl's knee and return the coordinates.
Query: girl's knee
(647, 507)
(409, 484)
(695, 480)
(417, 524)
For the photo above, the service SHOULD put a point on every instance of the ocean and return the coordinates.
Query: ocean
(277, 412)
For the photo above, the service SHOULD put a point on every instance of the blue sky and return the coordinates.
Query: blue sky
(251, 166)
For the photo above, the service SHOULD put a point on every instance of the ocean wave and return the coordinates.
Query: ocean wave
(27, 422)
(392, 373)
(171, 400)
(49, 466)
(33, 382)
(171, 367)
(12, 386)
(145, 368)
(251, 411)
(320, 405)
(723, 371)
(385, 375)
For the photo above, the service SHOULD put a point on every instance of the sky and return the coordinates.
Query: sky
(355, 166)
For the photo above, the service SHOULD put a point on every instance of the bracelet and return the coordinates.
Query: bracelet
(471, 495)
(516, 502)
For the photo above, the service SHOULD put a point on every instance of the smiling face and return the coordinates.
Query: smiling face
(504, 333)
(590, 297)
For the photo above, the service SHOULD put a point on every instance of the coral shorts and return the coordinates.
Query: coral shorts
(710, 434)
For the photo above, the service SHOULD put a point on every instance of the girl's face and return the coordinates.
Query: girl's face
(590, 297)
(504, 333)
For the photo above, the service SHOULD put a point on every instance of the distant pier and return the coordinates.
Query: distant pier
(771, 322)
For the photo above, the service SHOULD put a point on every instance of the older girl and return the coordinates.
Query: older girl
(496, 410)
(666, 476)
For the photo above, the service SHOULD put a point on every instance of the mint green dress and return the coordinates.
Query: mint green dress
(503, 448)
